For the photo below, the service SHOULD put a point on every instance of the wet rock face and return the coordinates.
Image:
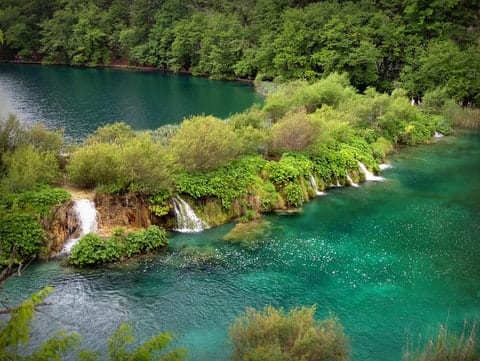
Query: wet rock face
(127, 211)
(61, 225)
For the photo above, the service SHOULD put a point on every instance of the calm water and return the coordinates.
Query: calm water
(391, 259)
(81, 100)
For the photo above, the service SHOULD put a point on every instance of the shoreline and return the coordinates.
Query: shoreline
(127, 67)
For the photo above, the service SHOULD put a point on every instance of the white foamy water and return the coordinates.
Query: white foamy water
(87, 220)
(369, 176)
(187, 220)
(351, 182)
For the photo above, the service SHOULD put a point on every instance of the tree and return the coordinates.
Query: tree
(204, 143)
(276, 335)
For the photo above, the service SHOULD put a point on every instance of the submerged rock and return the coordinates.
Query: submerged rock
(248, 232)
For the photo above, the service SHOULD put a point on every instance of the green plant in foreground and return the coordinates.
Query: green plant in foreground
(15, 332)
(275, 335)
(447, 346)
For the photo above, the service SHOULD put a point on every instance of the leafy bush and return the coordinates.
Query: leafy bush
(294, 194)
(290, 167)
(95, 164)
(94, 250)
(20, 235)
(27, 167)
(227, 182)
(203, 143)
(275, 335)
(294, 132)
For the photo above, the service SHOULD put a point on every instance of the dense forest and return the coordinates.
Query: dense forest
(421, 44)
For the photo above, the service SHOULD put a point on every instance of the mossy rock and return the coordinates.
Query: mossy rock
(196, 256)
(248, 232)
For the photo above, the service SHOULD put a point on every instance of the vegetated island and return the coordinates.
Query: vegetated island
(306, 138)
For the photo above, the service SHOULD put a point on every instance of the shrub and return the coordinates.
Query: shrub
(95, 164)
(204, 143)
(294, 194)
(294, 132)
(27, 167)
(274, 335)
(448, 346)
(20, 235)
(94, 250)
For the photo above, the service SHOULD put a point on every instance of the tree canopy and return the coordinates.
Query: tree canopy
(378, 43)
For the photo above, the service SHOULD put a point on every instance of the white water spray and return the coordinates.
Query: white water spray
(438, 135)
(313, 183)
(187, 220)
(87, 220)
(384, 166)
(352, 183)
(369, 176)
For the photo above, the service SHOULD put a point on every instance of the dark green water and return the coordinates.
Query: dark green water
(391, 259)
(81, 100)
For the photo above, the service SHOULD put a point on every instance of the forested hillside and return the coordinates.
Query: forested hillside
(422, 44)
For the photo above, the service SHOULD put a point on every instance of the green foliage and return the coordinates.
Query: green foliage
(203, 143)
(227, 182)
(447, 346)
(423, 44)
(15, 332)
(152, 349)
(381, 147)
(290, 168)
(274, 335)
(21, 235)
(117, 160)
(38, 202)
(27, 167)
(115, 133)
(293, 194)
(94, 250)
(158, 203)
(294, 132)
(28, 155)
(443, 64)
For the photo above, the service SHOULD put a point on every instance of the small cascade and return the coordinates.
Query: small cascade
(369, 176)
(187, 220)
(313, 183)
(351, 182)
(438, 135)
(87, 219)
(338, 183)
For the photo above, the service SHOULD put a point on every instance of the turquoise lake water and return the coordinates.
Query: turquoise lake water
(391, 259)
(80, 100)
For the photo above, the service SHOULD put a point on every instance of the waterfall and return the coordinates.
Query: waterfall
(187, 220)
(368, 175)
(438, 135)
(87, 220)
(313, 183)
(351, 181)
